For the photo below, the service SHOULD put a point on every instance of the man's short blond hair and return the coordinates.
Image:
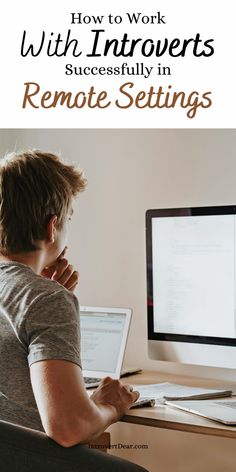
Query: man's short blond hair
(34, 186)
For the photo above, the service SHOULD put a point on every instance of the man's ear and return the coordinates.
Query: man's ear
(52, 229)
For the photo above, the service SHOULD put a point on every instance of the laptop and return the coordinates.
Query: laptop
(104, 333)
(223, 411)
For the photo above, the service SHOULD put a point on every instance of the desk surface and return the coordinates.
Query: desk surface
(170, 418)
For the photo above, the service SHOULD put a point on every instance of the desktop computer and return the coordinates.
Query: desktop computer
(191, 285)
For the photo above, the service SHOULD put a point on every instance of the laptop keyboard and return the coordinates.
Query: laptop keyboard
(90, 380)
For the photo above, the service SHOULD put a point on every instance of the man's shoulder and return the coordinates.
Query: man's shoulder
(44, 290)
(30, 287)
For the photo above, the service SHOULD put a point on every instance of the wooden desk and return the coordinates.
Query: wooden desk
(169, 418)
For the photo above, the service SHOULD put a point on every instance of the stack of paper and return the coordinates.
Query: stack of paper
(171, 391)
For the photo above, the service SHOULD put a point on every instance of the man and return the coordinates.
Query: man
(41, 383)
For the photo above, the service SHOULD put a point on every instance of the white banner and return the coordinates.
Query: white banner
(73, 64)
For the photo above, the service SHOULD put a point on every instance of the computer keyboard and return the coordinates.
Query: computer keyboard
(90, 380)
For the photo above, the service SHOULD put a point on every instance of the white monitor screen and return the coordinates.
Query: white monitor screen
(194, 275)
(191, 275)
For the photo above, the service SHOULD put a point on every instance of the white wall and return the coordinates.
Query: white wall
(128, 172)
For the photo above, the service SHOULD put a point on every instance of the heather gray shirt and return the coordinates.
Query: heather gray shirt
(39, 319)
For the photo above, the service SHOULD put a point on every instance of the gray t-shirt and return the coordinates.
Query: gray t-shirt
(39, 319)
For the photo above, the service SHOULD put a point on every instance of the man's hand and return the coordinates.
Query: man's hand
(116, 394)
(62, 272)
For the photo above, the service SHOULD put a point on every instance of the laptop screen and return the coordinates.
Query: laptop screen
(102, 335)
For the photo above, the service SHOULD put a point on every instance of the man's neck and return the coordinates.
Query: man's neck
(35, 260)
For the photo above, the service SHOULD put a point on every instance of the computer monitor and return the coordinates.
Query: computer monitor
(191, 285)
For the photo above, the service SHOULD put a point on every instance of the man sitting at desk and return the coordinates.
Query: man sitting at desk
(41, 382)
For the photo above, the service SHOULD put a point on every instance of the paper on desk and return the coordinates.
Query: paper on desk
(170, 391)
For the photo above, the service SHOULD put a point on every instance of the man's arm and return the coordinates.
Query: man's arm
(67, 413)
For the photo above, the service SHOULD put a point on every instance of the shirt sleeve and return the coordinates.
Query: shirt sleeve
(53, 328)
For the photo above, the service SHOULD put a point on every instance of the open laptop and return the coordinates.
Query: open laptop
(223, 411)
(104, 333)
